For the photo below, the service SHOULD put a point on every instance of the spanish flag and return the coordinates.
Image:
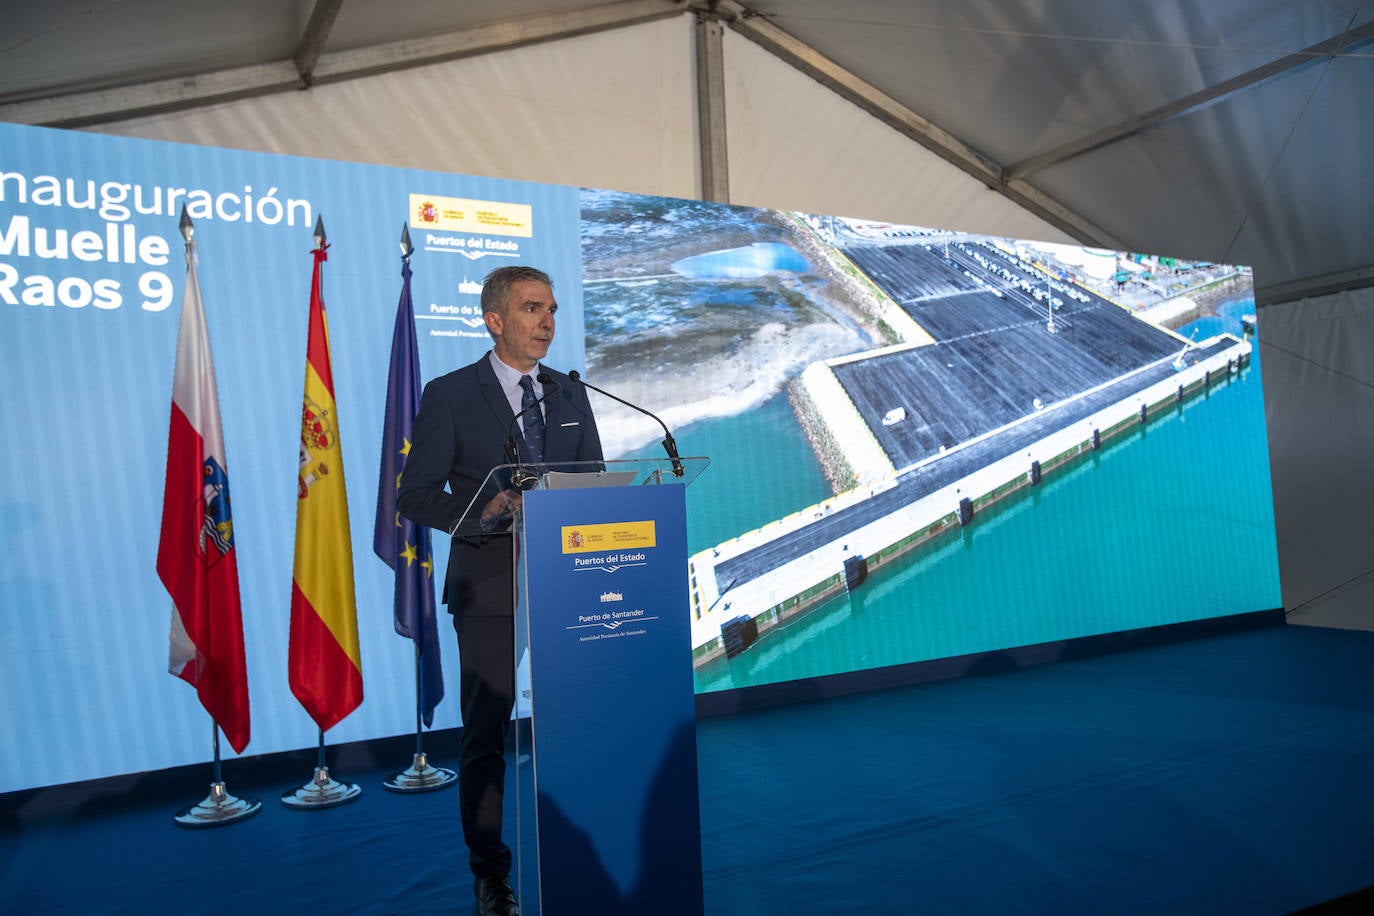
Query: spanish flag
(323, 659)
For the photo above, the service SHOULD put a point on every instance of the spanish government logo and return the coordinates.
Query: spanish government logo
(609, 536)
(479, 217)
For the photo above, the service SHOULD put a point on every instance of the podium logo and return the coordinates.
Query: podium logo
(610, 536)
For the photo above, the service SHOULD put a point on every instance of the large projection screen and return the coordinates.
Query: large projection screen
(924, 443)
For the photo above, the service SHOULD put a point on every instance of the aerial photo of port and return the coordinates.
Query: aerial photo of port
(924, 443)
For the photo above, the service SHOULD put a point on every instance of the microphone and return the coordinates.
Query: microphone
(521, 478)
(669, 445)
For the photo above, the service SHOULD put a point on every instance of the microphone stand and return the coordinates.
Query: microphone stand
(669, 444)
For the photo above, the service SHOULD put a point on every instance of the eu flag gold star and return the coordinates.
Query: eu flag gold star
(409, 554)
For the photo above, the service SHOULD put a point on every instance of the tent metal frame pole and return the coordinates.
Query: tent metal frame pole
(711, 127)
(313, 39)
(1312, 287)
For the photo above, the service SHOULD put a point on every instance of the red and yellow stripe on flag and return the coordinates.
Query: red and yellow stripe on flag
(324, 663)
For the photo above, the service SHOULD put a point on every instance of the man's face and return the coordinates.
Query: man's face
(523, 328)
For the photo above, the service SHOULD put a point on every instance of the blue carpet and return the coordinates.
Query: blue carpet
(1230, 774)
(1226, 774)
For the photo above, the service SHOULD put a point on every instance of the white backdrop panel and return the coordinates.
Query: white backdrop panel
(1319, 406)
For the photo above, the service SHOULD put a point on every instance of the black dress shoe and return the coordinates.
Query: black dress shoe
(495, 896)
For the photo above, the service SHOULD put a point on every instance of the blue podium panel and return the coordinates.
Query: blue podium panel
(613, 727)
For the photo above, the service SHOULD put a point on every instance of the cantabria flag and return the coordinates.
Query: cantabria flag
(195, 552)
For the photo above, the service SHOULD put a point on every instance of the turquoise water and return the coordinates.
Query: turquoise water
(762, 468)
(742, 263)
(1227, 320)
(1171, 522)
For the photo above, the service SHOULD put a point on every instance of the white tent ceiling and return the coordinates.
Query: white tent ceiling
(1227, 130)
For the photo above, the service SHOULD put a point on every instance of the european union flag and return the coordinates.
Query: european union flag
(402, 544)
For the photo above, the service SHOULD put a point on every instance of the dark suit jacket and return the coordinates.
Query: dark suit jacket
(459, 436)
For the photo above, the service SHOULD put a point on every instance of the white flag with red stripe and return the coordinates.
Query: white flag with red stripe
(195, 556)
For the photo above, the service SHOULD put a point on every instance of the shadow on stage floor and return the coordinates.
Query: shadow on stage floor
(1229, 773)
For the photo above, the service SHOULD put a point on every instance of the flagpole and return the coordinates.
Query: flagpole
(312, 682)
(207, 625)
(324, 791)
(219, 807)
(421, 776)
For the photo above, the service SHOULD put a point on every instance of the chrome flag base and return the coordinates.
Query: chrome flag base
(217, 809)
(321, 792)
(420, 777)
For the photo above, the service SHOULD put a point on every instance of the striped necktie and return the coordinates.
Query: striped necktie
(534, 422)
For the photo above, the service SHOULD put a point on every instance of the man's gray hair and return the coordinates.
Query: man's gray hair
(496, 285)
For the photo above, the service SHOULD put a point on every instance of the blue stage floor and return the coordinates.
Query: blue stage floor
(1224, 774)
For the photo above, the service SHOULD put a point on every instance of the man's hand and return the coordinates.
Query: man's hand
(501, 510)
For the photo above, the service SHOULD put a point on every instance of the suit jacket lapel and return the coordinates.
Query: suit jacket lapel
(494, 396)
(492, 393)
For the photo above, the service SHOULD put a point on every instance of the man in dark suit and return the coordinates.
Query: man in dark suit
(460, 434)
